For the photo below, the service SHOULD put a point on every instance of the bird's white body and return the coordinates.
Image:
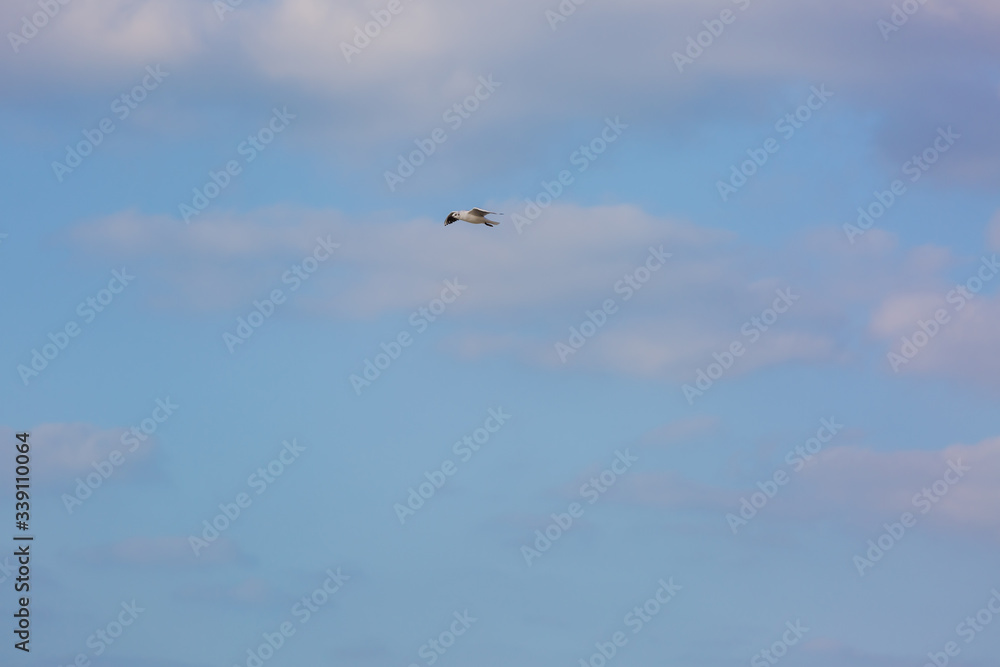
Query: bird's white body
(476, 216)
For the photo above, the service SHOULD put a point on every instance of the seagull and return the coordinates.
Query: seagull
(476, 216)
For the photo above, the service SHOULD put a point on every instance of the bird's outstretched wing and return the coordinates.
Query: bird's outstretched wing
(481, 212)
(450, 219)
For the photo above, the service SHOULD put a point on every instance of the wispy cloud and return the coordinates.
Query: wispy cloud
(696, 306)
(64, 451)
(856, 486)
(163, 551)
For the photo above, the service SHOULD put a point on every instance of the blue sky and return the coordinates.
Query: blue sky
(807, 479)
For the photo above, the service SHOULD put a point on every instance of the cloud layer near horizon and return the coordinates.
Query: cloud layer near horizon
(290, 51)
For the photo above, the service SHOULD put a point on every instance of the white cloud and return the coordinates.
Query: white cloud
(964, 346)
(899, 313)
(566, 263)
(96, 39)
(422, 62)
(658, 349)
(64, 451)
(860, 487)
(864, 482)
(168, 551)
(401, 265)
(993, 232)
(682, 431)
(967, 347)
(224, 237)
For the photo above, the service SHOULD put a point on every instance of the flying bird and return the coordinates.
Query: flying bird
(476, 216)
